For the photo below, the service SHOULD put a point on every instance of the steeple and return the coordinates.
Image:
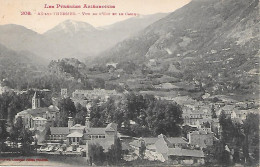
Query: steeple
(36, 101)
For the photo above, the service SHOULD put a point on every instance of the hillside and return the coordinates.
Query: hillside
(212, 43)
(72, 38)
(16, 67)
(19, 38)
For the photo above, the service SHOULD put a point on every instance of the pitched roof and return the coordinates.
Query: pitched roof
(151, 147)
(125, 146)
(35, 95)
(162, 145)
(111, 127)
(75, 134)
(185, 152)
(176, 140)
(95, 131)
(135, 143)
(37, 111)
(150, 140)
(172, 140)
(59, 130)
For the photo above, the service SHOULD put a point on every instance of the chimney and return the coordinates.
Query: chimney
(70, 122)
(87, 124)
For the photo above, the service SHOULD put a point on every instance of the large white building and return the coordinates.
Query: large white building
(82, 134)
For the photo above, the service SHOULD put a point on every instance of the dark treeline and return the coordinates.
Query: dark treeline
(139, 115)
(20, 140)
(69, 109)
(113, 156)
(241, 140)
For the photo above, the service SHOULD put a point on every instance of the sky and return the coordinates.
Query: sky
(11, 11)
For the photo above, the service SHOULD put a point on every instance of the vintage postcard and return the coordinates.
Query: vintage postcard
(129, 82)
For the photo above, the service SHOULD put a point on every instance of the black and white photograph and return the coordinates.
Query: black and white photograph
(166, 83)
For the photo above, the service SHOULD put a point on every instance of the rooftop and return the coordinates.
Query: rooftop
(185, 152)
(95, 131)
(38, 111)
(176, 140)
(75, 134)
(59, 130)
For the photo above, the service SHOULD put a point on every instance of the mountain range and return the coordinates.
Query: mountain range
(72, 38)
(211, 42)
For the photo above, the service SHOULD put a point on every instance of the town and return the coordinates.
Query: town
(192, 139)
(177, 85)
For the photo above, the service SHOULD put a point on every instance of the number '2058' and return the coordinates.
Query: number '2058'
(26, 13)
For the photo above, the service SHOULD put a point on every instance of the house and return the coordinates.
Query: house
(64, 92)
(201, 138)
(191, 118)
(38, 122)
(186, 156)
(204, 124)
(102, 94)
(58, 133)
(169, 150)
(227, 109)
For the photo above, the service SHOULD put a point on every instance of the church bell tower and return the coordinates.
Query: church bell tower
(35, 101)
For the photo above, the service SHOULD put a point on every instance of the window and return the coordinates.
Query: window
(73, 139)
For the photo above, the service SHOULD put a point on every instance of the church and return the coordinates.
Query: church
(38, 118)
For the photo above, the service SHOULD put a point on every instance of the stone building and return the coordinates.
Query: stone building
(201, 138)
(81, 134)
(173, 150)
(38, 118)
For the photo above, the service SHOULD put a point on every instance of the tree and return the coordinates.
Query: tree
(186, 129)
(164, 118)
(97, 117)
(225, 158)
(151, 116)
(3, 134)
(142, 150)
(67, 109)
(251, 131)
(213, 112)
(96, 154)
(115, 153)
(26, 139)
(81, 113)
(227, 128)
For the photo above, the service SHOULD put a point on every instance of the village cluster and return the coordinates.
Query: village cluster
(76, 138)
